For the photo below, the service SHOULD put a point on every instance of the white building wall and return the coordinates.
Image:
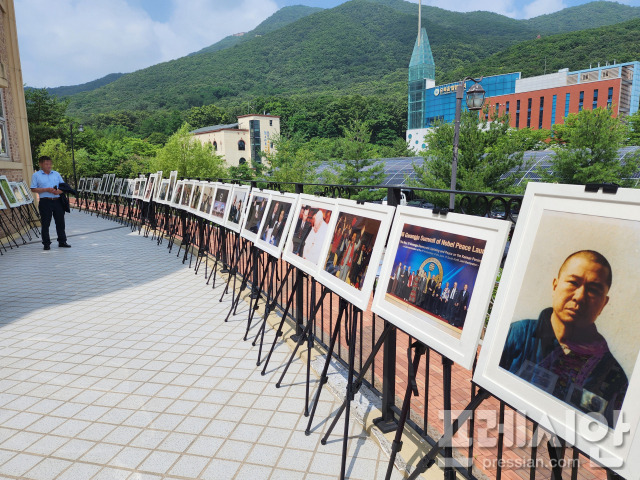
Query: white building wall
(551, 80)
(415, 138)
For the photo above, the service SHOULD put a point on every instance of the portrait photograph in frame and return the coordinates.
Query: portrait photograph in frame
(117, 187)
(351, 258)
(187, 190)
(276, 223)
(196, 194)
(221, 202)
(143, 186)
(206, 200)
(137, 186)
(163, 191)
(148, 192)
(312, 222)
(237, 207)
(103, 184)
(95, 185)
(174, 201)
(127, 188)
(81, 184)
(8, 192)
(437, 278)
(256, 210)
(561, 344)
(173, 178)
(109, 185)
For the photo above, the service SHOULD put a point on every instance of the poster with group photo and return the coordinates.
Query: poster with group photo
(276, 223)
(237, 207)
(562, 343)
(350, 260)
(148, 192)
(206, 200)
(256, 211)
(437, 277)
(221, 203)
(309, 233)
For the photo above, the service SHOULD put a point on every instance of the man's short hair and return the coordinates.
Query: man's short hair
(593, 256)
(44, 158)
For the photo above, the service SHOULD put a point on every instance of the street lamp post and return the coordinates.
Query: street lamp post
(475, 101)
(73, 153)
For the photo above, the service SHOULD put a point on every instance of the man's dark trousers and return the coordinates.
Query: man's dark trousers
(52, 207)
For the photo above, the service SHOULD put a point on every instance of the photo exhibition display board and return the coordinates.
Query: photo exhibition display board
(81, 184)
(256, 211)
(349, 262)
(237, 208)
(163, 191)
(17, 193)
(7, 191)
(309, 233)
(437, 277)
(173, 178)
(26, 191)
(177, 194)
(206, 200)
(220, 206)
(562, 343)
(276, 222)
(117, 187)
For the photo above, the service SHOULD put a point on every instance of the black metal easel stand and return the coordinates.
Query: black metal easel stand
(270, 264)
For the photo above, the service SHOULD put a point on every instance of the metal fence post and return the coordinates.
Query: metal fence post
(254, 289)
(387, 422)
(299, 288)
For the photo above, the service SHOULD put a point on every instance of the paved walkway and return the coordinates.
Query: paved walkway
(115, 363)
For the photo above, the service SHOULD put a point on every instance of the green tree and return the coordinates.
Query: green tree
(207, 115)
(292, 162)
(634, 129)
(46, 117)
(356, 164)
(189, 157)
(587, 151)
(62, 160)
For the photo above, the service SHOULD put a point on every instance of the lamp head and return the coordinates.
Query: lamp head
(475, 97)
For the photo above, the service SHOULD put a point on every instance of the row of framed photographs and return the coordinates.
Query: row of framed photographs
(14, 194)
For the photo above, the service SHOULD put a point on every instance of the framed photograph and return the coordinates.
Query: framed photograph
(143, 185)
(258, 205)
(109, 184)
(137, 183)
(173, 178)
(196, 194)
(309, 233)
(117, 187)
(81, 184)
(560, 345)
(3, 205)
(177, 194)
(127, 188)
(148, 192)
(26, 192)
(358, 233)
(162, 191)
(17, 193)
(221, 203)
(276, 223)
(187, 189)
(206, 200)
(437, 278)
(8, 192)
(103, 184)
(237, 207)
(95, 185)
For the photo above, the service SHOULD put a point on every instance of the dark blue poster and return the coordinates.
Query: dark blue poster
(435, 272)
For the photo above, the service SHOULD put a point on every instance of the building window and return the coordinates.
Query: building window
(3, 127)
(254, 135)
(518, 114)
(507, 108)
(610, 97)
(581, 103)
(529, 112)
(541, 113)
(271, 123)
(567, 100)
(242, 160)
(553, 110)
(595, 99)
(241, 145)
(215, 145)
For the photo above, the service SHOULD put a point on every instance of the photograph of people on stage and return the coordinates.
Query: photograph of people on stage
(435, 272)
(275, 221)
(186, 194)
(310, 231)
(237, 205)
(195, 197)
(257, 209)
(220, 203)
(353, 239)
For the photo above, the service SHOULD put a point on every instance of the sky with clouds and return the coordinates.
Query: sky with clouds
(68, 42)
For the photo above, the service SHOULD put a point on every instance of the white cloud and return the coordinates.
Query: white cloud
(542, 7)
(77, 41)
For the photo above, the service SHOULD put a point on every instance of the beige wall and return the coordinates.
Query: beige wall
(227, 144)
(269, 129)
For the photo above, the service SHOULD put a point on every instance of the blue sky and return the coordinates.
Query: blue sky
(82, 40)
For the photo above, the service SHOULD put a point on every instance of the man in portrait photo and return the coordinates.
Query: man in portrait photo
(562, 351)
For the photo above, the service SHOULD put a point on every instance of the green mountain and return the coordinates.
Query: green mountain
(84, 87)
(281, 18)
(364, 47)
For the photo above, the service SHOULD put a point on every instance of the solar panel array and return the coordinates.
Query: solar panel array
(399, 171)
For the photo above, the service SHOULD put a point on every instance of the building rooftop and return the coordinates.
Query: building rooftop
(214, 128)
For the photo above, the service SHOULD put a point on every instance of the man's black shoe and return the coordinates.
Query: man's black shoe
(47, 247)
(64, 245)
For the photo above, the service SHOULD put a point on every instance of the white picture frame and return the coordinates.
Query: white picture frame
(117, 187)
(556, 221)
(177, 194)
(17, 193)
(7, 191)
(303, 222)
(442, 252)
(196, 195)
(220, 205)
(149, 187)
(257, 207)
(337, 270)
(103, 184)
(3, 204)
(237, 207)
(26, 192)
(275, 226)
(185, 198)
(81, 183)
(206, 200)
(173, 178)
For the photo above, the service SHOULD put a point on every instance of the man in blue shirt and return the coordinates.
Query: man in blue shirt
(45, 183)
